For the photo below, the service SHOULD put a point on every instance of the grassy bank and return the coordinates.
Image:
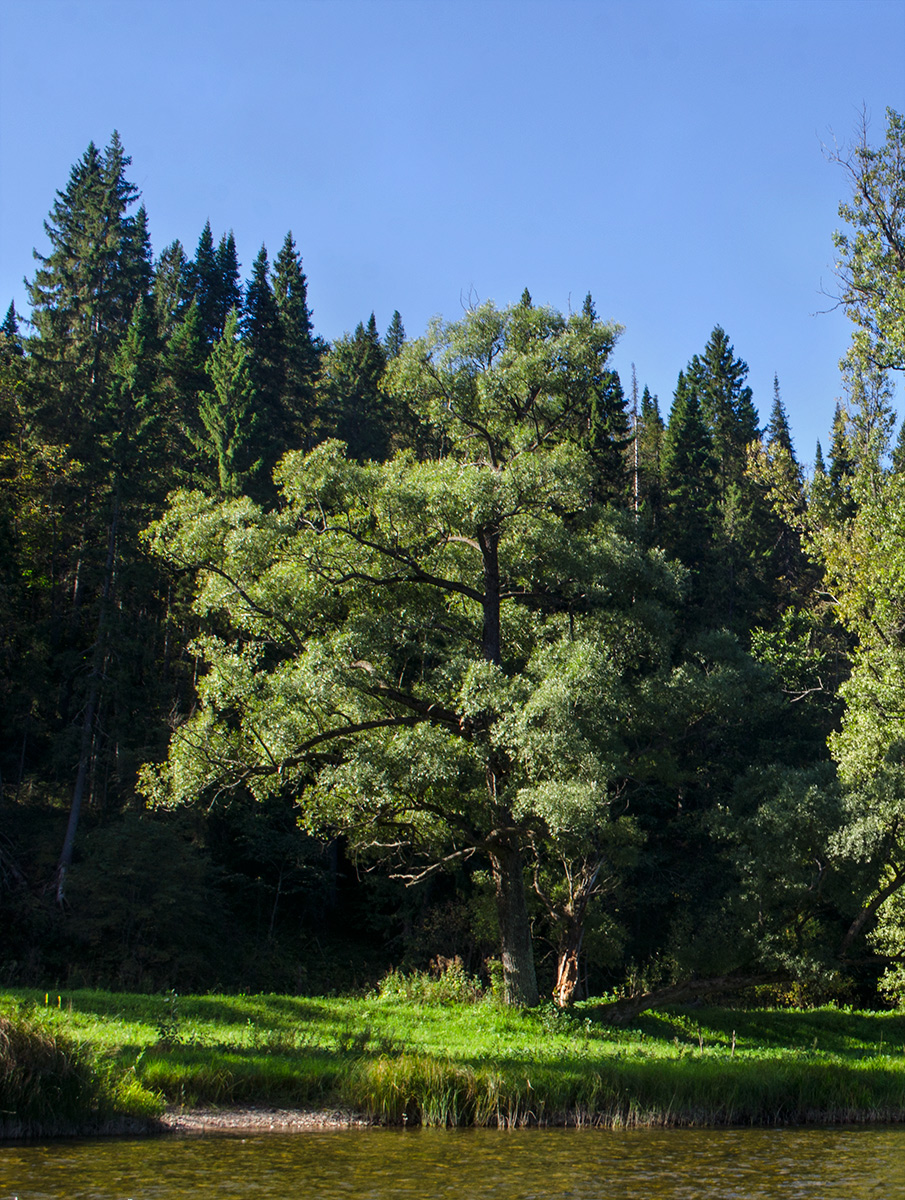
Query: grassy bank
(404, 1057)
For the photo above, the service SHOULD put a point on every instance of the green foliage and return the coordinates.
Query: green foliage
(871, 254)
(446, 983)
(227, 413)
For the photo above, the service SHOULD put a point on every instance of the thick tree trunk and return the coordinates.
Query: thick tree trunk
(519, 976)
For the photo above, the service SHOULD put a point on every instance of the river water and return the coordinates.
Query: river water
(529, 1164)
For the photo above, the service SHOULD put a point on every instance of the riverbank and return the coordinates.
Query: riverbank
(244, 1063)
(257, 1120)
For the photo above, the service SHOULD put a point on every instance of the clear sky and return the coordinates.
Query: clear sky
(666, 155)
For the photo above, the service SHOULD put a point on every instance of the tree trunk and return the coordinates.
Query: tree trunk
(620, 1012)
(492, 649)
(95, 681)
(567, 962)
(517, 951)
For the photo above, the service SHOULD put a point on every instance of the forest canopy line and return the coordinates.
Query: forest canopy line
(319, 659)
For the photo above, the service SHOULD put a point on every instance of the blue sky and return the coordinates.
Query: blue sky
(666, 156)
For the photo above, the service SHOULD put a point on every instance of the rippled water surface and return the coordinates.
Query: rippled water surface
(759, 1164)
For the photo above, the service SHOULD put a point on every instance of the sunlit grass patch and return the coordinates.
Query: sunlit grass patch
(447, 1061)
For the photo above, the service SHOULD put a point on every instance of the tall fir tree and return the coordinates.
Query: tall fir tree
(172, 288)
(778, 433)
(227, 413)
(84, 291)
(395, 337)
(302, 350)
(841, 467)
(355, 409)
(651, 432)
(229, 286)
(690, 492)
(718, 377)
(263, 339)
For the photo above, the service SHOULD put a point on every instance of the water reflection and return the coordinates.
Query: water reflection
(760, 1164)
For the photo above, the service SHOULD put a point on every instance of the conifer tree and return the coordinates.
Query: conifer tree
(227, 413)
(651, 432)
(229, 287)
(608, 439)
(718, 378)
(10, 342)
(841, 469)
(395, 337)
(172, 288)
(689, 480)
(183, 379)
(778, 433)
(302, 350)
(84, 291)
(204, 280)
(356, 410)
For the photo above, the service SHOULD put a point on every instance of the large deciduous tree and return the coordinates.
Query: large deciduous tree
(439, 655)
(870, 260)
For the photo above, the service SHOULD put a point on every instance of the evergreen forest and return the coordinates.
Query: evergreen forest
(323, 659)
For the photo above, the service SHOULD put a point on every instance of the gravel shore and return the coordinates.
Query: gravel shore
(257, 1120)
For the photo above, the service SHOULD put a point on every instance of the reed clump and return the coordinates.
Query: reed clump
(420, 1089)
(50, 1084)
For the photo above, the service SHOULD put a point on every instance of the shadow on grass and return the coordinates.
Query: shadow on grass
(833, 1030)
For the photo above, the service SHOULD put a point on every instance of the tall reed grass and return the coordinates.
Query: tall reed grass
(52, 1085)
(417, 1089)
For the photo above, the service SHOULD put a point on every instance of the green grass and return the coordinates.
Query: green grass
(408, 1059)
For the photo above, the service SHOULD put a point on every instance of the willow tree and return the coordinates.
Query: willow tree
(433, 654)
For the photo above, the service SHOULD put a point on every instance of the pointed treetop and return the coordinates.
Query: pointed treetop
(819, 465)
(10, 324)
(778, 432)
(525, 301)
(395, 336)
(588, 308)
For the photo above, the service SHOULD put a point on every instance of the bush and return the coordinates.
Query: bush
(447, 982)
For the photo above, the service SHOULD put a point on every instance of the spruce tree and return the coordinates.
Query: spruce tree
(741, 594)
(842, 465)
(395, 337)
(229, 287)
(777, 432)
(263, 340)
(10, 342)
(302, 350)
(227, 413)
(690, 493)
(718, 378)
(204, 280)
(183, 379)
(355, 409)
(651, 432)
(608, 438)
(84, 291)
(172, 288)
